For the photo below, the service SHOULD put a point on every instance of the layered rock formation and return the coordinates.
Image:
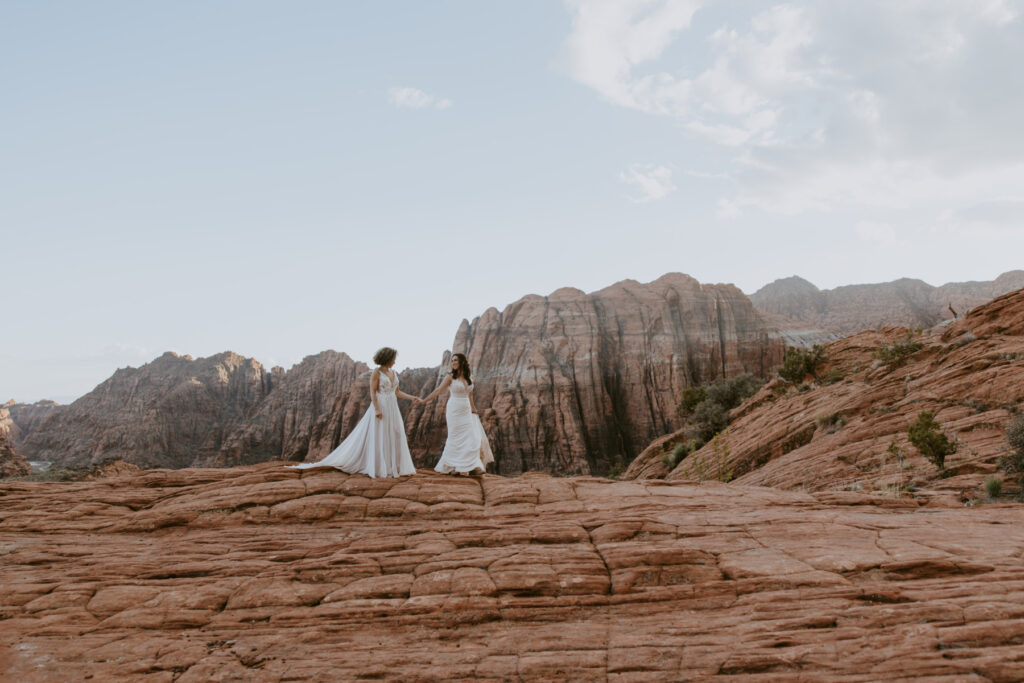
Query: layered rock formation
(264, 574)
(854, 308)
(11, 464)
(18, 420)
(579, 383)
(169, 413)
(838, 435)
(310, 409)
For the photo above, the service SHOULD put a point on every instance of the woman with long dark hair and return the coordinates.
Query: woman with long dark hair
(376, 446)
(466, 449)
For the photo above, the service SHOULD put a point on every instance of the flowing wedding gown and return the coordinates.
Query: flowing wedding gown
(377, 448)
(466, 448)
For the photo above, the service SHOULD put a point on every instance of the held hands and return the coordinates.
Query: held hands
(379, 414)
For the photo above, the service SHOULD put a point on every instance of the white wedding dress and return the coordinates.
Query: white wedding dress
(377, 448)
(466, 448)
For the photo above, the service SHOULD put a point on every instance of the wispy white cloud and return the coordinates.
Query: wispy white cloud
(414, 98)
(926, 120)
(649, 182)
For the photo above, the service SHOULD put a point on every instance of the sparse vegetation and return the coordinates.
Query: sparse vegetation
(831, 422)
(896, 354)
(1013, 462)
(692, 397)
(52, 475)
(927, 436)
(799, 363)
(832, 376)
(714, 466)
(707, 406)
(993, 487)
(974, 404)
(676, 455)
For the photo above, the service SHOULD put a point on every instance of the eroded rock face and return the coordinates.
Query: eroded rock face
(579, 383)
(17, 420)
(855, 308)
(266, 574)
(11, 464)
(837, 433)
(293, 414)
(168, 413)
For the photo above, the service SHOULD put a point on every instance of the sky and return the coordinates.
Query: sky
(282, 178)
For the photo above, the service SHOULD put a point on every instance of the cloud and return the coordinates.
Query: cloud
(850, 104)
(648, 181)
(414, 98)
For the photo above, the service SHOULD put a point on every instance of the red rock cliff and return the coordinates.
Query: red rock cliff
(579, 383)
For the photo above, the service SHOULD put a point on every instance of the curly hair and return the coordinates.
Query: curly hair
(463, 368)
(384, 356)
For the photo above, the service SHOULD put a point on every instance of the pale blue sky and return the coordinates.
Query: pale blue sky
(282, 178)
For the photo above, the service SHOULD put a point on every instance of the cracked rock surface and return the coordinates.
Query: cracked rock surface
(266, 574)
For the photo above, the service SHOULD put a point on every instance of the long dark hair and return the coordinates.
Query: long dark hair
(463, 368)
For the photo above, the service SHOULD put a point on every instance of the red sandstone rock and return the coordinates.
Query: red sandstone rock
(17, 420)
(970, 374)
(266, 574)
(577, 383)
(11, 464)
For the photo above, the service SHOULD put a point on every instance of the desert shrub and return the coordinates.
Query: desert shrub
(896, 354)
(720, 457)
(714, 465)
(692, 397)
(927, 436)
(1013, 462)
(832, 376)
(729, 393)
(993, 486)
(676, 455)
(833, 422)
(707, 420)
(707, 406)
(798, 363)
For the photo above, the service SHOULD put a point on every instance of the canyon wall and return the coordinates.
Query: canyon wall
(579, 383)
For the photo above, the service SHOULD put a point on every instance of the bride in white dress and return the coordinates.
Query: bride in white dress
(466, 449)
(377, 446)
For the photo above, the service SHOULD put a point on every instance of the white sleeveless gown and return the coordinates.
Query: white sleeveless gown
(377, 448)
(466, 448)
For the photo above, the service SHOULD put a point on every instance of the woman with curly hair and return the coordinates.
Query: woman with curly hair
(466, 450)
(377, 446)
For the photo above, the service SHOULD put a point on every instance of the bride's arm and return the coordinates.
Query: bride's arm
(435, 392)
(472, 406)
(374, 388)
(408, 397)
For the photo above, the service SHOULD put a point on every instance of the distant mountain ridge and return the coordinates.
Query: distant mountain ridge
(795, 303)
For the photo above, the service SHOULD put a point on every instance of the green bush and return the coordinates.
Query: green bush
(709, 419)
(707, 406)
(927, 436)
(676, 455)
(798, 363)
(1013, 462)
(896, 354)
(993, 486)
(730, 393)
(692, 397)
